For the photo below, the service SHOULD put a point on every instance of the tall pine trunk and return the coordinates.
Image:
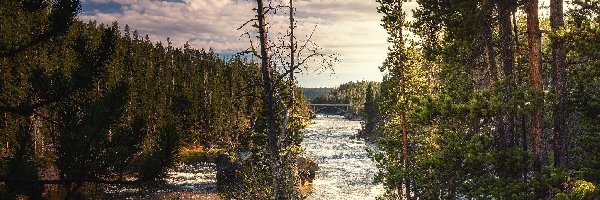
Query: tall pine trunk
(535, 62)
(522, 117)
(405, 161)
(506, 129)
(269, 106)
(558, 81)
(403, 123)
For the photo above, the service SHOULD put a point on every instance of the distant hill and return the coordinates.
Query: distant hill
(313, 93)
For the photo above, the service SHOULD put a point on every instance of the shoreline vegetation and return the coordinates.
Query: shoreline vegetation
(489, 99)
(480, 99)
(86, 104)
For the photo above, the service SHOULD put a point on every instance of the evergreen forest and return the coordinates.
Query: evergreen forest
(85, 105)
(480, 99)
(490, 100)
(352, 93)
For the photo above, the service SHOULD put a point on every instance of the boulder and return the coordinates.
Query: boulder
(307, 169)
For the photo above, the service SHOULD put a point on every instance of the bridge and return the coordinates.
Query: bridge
(341, 109)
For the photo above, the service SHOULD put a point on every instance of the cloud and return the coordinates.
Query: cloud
(205, 23)
(348, 27)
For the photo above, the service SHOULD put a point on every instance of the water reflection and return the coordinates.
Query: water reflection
(345, 170)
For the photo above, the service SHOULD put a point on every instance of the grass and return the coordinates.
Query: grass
(192, 155)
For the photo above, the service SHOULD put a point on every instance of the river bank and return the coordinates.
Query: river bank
(345, 170)
(186, 181)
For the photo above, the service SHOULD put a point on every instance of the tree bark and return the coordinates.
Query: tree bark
(506, 130)
(405, 151)
(292, 58)
(269, 105)
(535, 61)
(404, 121)
(559, 82)
(522, 117)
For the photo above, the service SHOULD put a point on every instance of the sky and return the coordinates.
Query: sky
(349, 28)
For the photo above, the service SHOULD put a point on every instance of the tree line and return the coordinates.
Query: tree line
(487, 99)
(353, 93)
(312, 93)
(86, 103)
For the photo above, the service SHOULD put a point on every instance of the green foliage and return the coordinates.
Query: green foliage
(252, 159)
(23, 168)
(103, 106)
(457, 101)
(369, 113)
(584, 190)
(162, 153)
(353, 93)
(313, 93)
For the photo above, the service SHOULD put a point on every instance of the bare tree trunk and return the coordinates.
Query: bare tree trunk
(269, 105)
(506, 134)
(535, 61)
(559, 82)
(292, 57)
(522, 117)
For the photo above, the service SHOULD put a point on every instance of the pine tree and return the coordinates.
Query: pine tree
(559, 84)
(535, 61)
(370, 113)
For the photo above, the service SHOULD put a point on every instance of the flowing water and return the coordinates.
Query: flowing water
(345, 170)
(192, 181)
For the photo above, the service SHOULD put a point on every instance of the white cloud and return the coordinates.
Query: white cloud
(348, 27)
(205, 23)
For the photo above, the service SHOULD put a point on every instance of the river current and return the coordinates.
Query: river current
(345, 170)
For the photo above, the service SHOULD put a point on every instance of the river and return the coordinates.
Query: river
(345, 170)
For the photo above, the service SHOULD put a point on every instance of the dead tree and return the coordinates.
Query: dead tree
(280, 60)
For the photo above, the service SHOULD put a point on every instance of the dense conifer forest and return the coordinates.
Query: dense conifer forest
(352, 93)
(85, 103)
(480, 99)
(312, 93)
(490, 100)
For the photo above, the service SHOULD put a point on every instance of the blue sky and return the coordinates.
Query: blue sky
(349, 28)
